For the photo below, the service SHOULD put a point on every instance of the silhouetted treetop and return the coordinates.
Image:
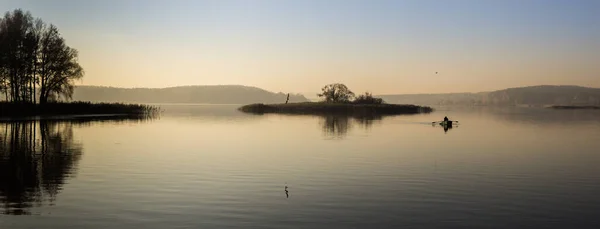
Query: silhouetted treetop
(336, 93)
(35, 60)
(368, 98)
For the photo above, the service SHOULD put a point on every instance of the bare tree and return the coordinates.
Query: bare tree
(17, 50)
(58, 67)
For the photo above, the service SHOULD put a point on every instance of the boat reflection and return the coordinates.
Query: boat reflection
(445, 125)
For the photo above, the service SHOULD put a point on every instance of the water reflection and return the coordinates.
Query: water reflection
(367, 121)
(339, 125)
(445, 127)
(36, 159)
(335, 125)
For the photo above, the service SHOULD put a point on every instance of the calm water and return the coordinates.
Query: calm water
(213, 167)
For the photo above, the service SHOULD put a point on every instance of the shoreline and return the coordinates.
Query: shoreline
(79, 109)
(81, 117)
(575, 107)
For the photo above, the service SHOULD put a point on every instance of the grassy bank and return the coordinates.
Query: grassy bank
(575, 107)
(74, 108)
(321, 108)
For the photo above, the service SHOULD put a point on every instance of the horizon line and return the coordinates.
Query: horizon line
(306, 93)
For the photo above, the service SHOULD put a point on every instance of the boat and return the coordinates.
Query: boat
(446, 123)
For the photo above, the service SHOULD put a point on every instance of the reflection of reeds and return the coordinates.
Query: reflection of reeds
(74, 108)
(37, 157)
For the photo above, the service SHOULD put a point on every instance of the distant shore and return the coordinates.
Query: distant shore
(321, 108)
(24, 110)
(575, 107)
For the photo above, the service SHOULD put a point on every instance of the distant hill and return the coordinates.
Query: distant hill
(436, 99)
(545, 95)
(542, 95)
(532, 96)
(218, 94)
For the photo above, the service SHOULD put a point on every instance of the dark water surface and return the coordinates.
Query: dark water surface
(209, 166)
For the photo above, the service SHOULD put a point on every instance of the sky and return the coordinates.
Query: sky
(379, 46)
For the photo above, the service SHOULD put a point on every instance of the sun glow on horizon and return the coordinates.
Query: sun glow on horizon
(385, 47)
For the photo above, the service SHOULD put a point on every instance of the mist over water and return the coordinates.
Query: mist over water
(211, 166)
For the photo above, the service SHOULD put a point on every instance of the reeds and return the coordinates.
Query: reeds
(74, 108)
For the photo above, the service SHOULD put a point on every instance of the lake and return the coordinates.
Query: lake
(210, 166)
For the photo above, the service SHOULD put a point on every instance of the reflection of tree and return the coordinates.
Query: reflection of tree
(335, 125)
(367, 121)
(35, 160)
(37, 157)
(339, 125)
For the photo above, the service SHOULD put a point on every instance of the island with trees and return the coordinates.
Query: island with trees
(38, 72)
(338, 99)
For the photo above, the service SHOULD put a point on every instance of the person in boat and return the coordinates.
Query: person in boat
(445, 118)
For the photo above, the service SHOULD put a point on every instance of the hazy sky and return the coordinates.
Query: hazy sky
(298, 46)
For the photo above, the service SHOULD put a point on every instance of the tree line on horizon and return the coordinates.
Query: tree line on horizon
(36, 65)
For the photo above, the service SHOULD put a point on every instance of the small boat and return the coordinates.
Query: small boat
(446, 123)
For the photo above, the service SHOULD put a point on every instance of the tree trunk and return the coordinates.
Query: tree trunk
(43, 98)
(33, 93)
(13, 85)
(43, 91)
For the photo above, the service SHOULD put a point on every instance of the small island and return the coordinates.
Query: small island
(335, 108)
(575, 107)
(339, 100)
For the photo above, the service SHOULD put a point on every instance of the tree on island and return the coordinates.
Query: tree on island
(35, 60)
(336, 93)
(368, 98)
(339, 93)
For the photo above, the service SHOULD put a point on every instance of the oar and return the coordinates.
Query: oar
(443, 121)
